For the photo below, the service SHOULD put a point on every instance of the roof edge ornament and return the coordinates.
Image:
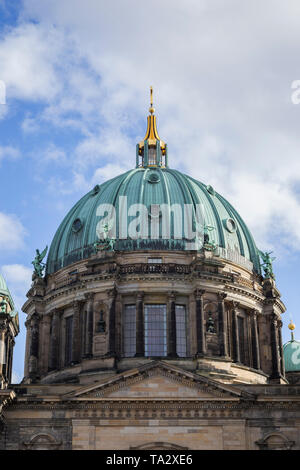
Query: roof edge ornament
(151, 151)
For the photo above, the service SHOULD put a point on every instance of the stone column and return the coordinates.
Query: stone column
(88, 352)
(200, 329)
(172, 343)
(2, 353)
(112, 324)
(255, 342)
(222, 325)
(140, 332)
(54, 340)
(12, 344)
(235, 334)
(27, 348)
(34, 346)
(76, 339)
(8, 345)
(280, 346)
(275, 348)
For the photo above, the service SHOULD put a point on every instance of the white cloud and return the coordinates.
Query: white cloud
(12, 232)
(28, 63)
(9, 152)
(222, 79)
(17, 274)
(18, 279)
(15, 377)
(107, 172)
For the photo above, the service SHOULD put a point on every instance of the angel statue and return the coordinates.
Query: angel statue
(37, 262)
(267, 263)
(210, 245)
(105, 243)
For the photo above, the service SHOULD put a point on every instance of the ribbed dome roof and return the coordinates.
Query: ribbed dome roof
(75, 237)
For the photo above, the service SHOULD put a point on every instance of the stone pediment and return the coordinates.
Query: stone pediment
(159, 380)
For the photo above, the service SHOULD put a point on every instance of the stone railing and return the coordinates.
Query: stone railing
(161, 268)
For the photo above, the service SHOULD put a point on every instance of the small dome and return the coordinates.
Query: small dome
(4, 291)
(291, 354)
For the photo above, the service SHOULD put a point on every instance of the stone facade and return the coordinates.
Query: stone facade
(81, 391)
(157, 406)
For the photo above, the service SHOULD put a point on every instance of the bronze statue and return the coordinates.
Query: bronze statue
(37, 262)
(267, 264)
(105, 243)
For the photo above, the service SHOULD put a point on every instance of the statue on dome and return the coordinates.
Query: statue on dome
(208, 244)
(3, 305)
(38, 265)
(105, 243)
(267, 264)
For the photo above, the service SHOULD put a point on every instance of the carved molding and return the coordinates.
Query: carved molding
(158, 446)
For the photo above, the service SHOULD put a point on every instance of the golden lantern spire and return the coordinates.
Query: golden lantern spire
(151, 138)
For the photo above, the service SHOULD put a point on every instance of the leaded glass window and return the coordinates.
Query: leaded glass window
(180, 330)
(155, 330)
(129, 331)
(152, 157)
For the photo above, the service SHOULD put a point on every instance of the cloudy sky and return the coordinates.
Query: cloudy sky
(77, 76)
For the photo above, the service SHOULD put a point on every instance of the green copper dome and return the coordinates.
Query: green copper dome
(291, 354)
(164, 194)
(76, 236)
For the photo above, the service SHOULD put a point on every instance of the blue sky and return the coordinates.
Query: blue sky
(77, 76)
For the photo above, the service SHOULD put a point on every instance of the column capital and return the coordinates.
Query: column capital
(76, 305)
(35, 317)
(274, 319)
(140, 295)
(171, 296)
(235, 304)
(89, 295)
(221, 296)
(198, 293)
(55, 311)
(112, 292)
(3, 325)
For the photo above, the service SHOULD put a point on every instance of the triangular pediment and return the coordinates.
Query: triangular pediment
(158, 380)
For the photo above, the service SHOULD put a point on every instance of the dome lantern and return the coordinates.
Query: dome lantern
(151, 151)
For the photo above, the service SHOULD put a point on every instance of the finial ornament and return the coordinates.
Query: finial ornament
(291, 327)
(151, 109)
(152, 149)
